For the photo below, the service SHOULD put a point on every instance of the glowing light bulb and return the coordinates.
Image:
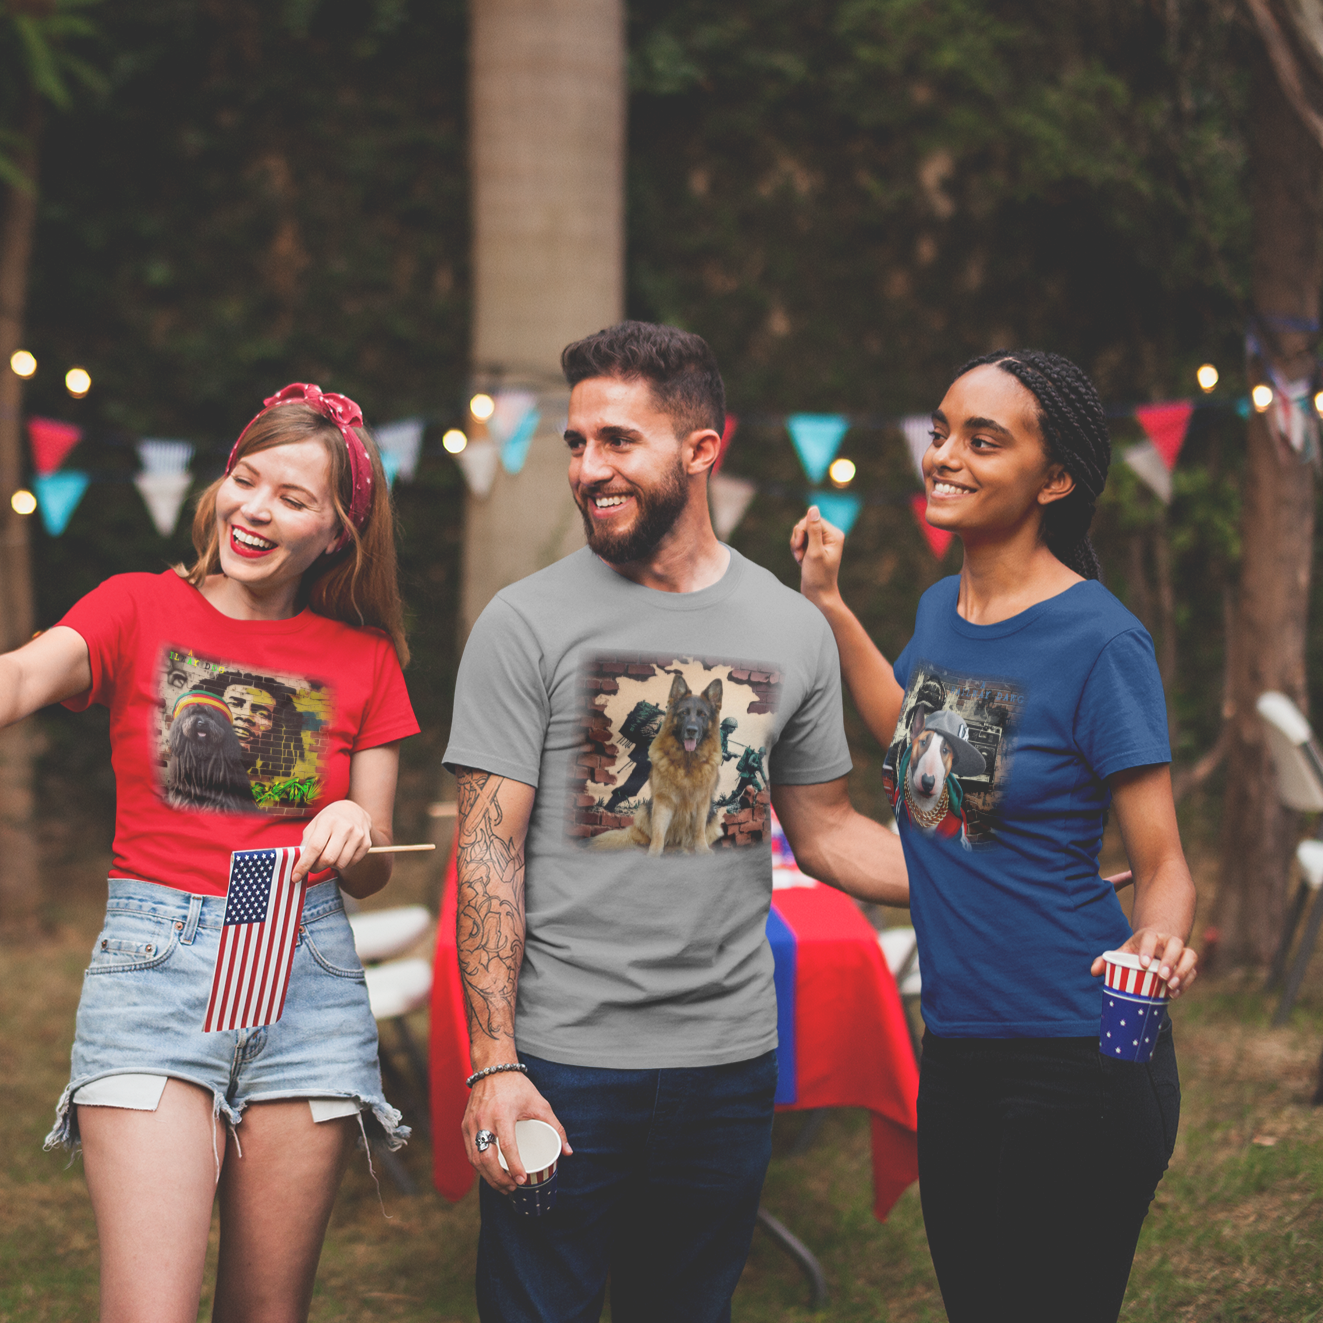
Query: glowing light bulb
(1261, 397)
(454, 441)
(78, 381)
(842, 472)
(23, 502)
(482, 407)
(1318, 402)
(1206, 377)
(23, 363)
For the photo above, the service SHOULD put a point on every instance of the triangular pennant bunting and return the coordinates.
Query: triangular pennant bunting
(515, 451)
(1293, 416)
(390, 466)
(51, 441)
(839, 508)
(817, 438)
(402, 441)
(918, 428)
(727, 436)
(163, 493)
(729, 498)
(1151, 467)
(478, 462)
(58, 495)
(1166, 425)
(511, 407)
(159, 456)
(938, 539)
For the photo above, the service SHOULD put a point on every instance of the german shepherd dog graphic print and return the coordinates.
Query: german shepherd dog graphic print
(681, 813)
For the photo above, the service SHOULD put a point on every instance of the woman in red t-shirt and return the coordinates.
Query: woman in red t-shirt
(256, 702)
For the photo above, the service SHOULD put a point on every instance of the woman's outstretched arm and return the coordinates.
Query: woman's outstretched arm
(1164, 890)
(53, 667)
(817, 546)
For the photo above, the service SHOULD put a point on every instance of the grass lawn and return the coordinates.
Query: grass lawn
(1236, 1232)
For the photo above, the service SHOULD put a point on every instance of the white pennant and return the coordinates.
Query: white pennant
(401, 442)
(478, 461)
(918, 429)
(159, 456)
(163, 493)
(729, 498)
(1150, 466)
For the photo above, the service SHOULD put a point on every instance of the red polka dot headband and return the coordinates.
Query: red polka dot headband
(346, 415)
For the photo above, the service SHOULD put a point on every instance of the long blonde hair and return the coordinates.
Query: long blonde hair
(358, 584)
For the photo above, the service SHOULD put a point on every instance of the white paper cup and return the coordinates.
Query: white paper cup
(539, 1151)
(1133, 1004)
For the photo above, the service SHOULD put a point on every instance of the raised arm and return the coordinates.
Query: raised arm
(1164, 890)
(492, 823)
(53, 667)
(817, 546)
(837, 845)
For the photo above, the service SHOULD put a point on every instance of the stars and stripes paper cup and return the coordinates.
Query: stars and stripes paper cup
(539, 1151)
(1134, 1002)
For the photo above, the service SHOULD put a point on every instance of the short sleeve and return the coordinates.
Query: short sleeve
(389, 714)
(106, 619)
(1121, 721)
(812, 747)
(502, 708)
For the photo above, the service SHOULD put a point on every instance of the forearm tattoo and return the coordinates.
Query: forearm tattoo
(490, 918)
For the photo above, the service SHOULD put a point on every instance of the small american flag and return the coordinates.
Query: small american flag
(263, 908)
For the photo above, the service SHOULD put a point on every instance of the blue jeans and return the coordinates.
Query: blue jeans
(661, 1193)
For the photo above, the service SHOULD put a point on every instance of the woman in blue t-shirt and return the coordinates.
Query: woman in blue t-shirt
(1027, 701)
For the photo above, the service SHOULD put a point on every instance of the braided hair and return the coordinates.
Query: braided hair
(1074, 427)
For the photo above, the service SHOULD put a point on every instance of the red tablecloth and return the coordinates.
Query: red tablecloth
(852, 1046)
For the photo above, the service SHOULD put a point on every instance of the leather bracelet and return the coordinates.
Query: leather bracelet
(494, 1070)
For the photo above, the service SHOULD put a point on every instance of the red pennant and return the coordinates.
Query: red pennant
(1165, 425)
(938, 539)
(727, 435)
(51, 441)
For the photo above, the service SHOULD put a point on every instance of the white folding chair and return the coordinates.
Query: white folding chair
(396, 988)
(1298, 762)
(900, 949)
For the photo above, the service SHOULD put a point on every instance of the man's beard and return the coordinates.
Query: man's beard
(658, 509)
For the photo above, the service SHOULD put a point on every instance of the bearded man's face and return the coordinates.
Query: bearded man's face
(627, 468)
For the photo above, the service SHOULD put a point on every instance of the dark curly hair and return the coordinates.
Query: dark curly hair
(1074, 427)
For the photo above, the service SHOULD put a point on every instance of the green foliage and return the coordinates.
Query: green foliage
(292, 792)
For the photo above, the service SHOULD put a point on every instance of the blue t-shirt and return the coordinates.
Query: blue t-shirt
(997, 775)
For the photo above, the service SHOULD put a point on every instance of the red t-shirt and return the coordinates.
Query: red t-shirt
(226, 734)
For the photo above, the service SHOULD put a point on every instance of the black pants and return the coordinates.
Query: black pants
(1038, 1159)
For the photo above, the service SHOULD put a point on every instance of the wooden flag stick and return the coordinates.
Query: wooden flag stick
(398, 849)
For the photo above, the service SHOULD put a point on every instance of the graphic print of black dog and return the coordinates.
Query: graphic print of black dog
(205, 768)
(681, 814)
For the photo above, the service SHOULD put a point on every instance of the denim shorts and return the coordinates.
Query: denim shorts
(145, 997)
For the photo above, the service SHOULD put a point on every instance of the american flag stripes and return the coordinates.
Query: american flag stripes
(1123, 976)
(263, 908)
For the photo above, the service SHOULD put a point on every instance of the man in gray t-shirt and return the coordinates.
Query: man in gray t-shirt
(623, 722)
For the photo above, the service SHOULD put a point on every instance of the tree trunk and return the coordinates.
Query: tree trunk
(547, 133)
(19, 891)
(1277, 530)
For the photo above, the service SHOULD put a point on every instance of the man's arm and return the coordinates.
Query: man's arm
(837, 845)
(492, 824)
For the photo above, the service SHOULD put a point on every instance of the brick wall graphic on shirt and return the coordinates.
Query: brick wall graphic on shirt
(674, 753)
(230, 739)
(951, 756)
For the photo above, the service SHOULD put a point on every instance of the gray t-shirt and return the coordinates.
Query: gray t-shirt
(648, 721)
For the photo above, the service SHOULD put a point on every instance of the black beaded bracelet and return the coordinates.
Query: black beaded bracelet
(494, 1070)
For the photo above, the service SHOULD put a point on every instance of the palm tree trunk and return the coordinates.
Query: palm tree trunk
(19, 891)
(1277, 529)
(547, 131)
